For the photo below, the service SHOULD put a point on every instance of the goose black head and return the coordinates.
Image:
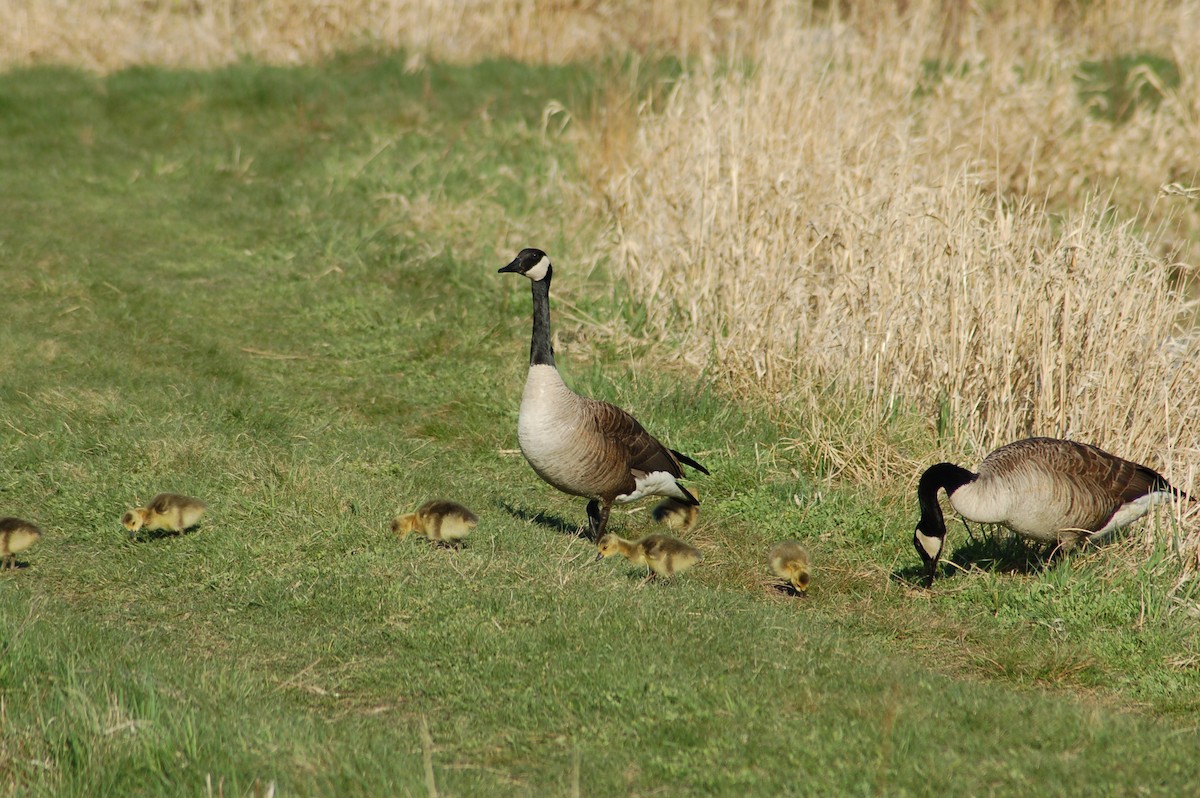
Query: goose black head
(532, 263)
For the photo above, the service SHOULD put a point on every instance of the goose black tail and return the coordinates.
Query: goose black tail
(687, 461)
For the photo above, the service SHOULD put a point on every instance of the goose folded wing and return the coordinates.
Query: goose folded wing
(641, 450)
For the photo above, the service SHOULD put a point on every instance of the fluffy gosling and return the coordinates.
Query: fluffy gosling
(789, 561)
(676, 515)
(663, 555)
(439, 520)
(15, 535)
(166, 511)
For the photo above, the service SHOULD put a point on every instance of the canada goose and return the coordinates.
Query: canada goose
(167, 511)
(15, 535)
(662, 554)
(1046, 489)
(440, 521)
(789, 561)
(677, 515)
(583, 446)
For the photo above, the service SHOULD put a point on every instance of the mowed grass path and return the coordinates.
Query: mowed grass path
(275, 289)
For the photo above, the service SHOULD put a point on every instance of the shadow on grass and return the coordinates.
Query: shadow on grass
(552, 522)
(992, 549)
(142, 536)
(786, 589)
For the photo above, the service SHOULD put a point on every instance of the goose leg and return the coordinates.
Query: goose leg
(598, 517)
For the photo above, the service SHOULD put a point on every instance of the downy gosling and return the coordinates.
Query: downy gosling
(170, 512)
(439, 520)
(676, 515)
(663, 555)
(15, 535)
(789, 561)
(1045, 489)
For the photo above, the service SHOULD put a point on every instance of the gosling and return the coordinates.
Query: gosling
(678, 516)
(789, 561)
(439, 520)
(166, 511)
(15, 535)
(663, 555)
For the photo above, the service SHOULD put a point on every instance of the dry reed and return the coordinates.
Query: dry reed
(858, 226)
(104, 35)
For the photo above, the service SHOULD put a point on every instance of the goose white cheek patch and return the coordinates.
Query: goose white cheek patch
(539, 269)
(929, 544)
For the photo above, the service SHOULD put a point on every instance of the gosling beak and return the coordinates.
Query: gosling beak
(599, 557)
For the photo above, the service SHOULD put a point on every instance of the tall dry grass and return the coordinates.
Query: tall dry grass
(912, 210)
(104, 35)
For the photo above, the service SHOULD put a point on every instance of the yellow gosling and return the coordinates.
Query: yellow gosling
(789, 561)
(439, 520)
(677, 515)
(663, 555)
(166, 511)
(15, 535)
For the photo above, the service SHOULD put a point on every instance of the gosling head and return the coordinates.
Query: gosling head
(134, 519)
(404, 524)
(607, 546)
(929, 547)
(532, 263)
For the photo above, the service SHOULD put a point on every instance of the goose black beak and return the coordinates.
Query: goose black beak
(515, 266)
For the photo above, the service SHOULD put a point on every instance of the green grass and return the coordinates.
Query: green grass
(275, 289)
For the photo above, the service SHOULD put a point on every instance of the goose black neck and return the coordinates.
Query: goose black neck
(943, 475)
(540, 351)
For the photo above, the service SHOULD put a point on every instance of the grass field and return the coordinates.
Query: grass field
(275, 289)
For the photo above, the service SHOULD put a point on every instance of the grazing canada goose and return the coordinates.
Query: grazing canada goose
(15, 535)
(789, 561)
(662, 554)
(166, 511)
(583, 446)
(1046, 489)
(677, 515)
(440, 521)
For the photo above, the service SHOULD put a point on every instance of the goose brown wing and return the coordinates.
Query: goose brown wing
(627, 438)
(1105, 482)
(1120, 481)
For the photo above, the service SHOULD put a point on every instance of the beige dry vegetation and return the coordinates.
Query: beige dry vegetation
(104, 35)
(895, 211)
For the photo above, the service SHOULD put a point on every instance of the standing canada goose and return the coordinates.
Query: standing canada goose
(663, 555)
(167, 511)
(583, 446)
(677, 515)
(15, 535)
(440, 521)
(1046, 489)
(789, 561)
